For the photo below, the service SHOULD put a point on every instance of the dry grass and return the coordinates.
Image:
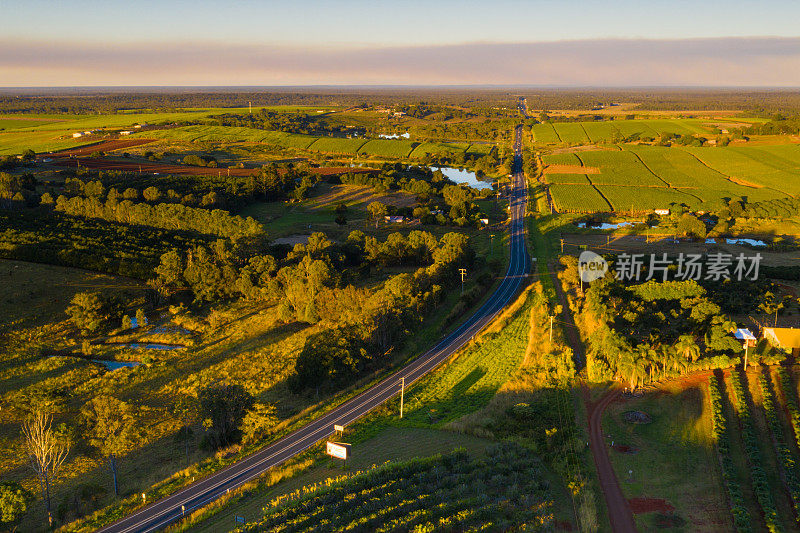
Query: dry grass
(356, 196)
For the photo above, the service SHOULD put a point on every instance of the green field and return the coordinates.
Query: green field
(567, 178)
(646, 198)
(545, 133)
(583, 198)
(336, 145)
(610, 130)
(571, 132)
(480, 149)
(671, 459)
(388, 148)
(439, 148)
(561, 159)
(775, 168)
(644, 177)
(620, 167)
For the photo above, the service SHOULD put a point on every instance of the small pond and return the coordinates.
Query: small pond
(606, 225)
(405, 135)
(460, 175)
(752, 242)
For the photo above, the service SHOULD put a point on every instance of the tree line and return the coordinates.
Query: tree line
(163, 215)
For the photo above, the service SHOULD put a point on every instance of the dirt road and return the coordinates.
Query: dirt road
(619, 510)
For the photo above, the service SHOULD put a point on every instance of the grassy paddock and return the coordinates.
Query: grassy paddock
(672, 458)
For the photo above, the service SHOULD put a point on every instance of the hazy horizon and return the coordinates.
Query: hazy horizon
(413, 43)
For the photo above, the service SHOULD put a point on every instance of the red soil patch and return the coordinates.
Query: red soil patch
(621, 448)
(649, 505)
(563, 526)
(102, 146)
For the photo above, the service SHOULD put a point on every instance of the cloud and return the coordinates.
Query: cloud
(734, 61)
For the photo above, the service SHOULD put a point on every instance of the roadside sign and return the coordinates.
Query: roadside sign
(239, 519)
(340, 450)
(337, 427)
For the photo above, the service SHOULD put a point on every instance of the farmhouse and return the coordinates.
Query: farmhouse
(77, 134)
(125, 132)
(397, 219)
(662, 212)
(787, 339)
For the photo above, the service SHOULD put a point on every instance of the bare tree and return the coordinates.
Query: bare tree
(46, 452)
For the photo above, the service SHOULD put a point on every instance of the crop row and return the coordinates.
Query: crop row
(787, 461)
(720, 433)
(572, 197)
(451, 492)
(750, 439)
(611, 130)
(791, 403)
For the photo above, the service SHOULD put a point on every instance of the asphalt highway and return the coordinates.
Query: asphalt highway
(170, 509)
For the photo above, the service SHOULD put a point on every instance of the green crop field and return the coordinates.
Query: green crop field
(388, 148)
(545, 133)
(646, 198)
(480, 149)
(753, 165)
(607, 130)
(571, 132)
(336, 145)
(567, 178)
(17, 141)
(648, 177)
(438, 148)
(619, 168)
(577, 197)
(561, 159)
(18, 123)
(452, 492)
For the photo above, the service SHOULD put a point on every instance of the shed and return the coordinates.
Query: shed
(787, 339)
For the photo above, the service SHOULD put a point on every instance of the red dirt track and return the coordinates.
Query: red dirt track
(619, 510)
(101, 146)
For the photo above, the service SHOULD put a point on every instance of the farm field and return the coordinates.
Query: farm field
(439, 148)
(615, 130)
(336, 145)
(391, 444)
(571, 132)
(671, 459)
(388, 148)
(648, 177)
(776, 168)
(578, 198)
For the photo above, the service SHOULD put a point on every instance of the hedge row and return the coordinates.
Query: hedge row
(719, 431)
(791, 403)
(782, 450)
(750, 439)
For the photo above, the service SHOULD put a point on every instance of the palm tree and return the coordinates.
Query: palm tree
(687, 348)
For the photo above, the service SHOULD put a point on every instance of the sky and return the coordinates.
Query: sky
(433, 42)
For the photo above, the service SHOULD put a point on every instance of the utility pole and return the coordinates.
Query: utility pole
(402, 390)
(746, 344)
(463, 272)
(551, 329)
(251, 108)
(562, 246)
(491, 244)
